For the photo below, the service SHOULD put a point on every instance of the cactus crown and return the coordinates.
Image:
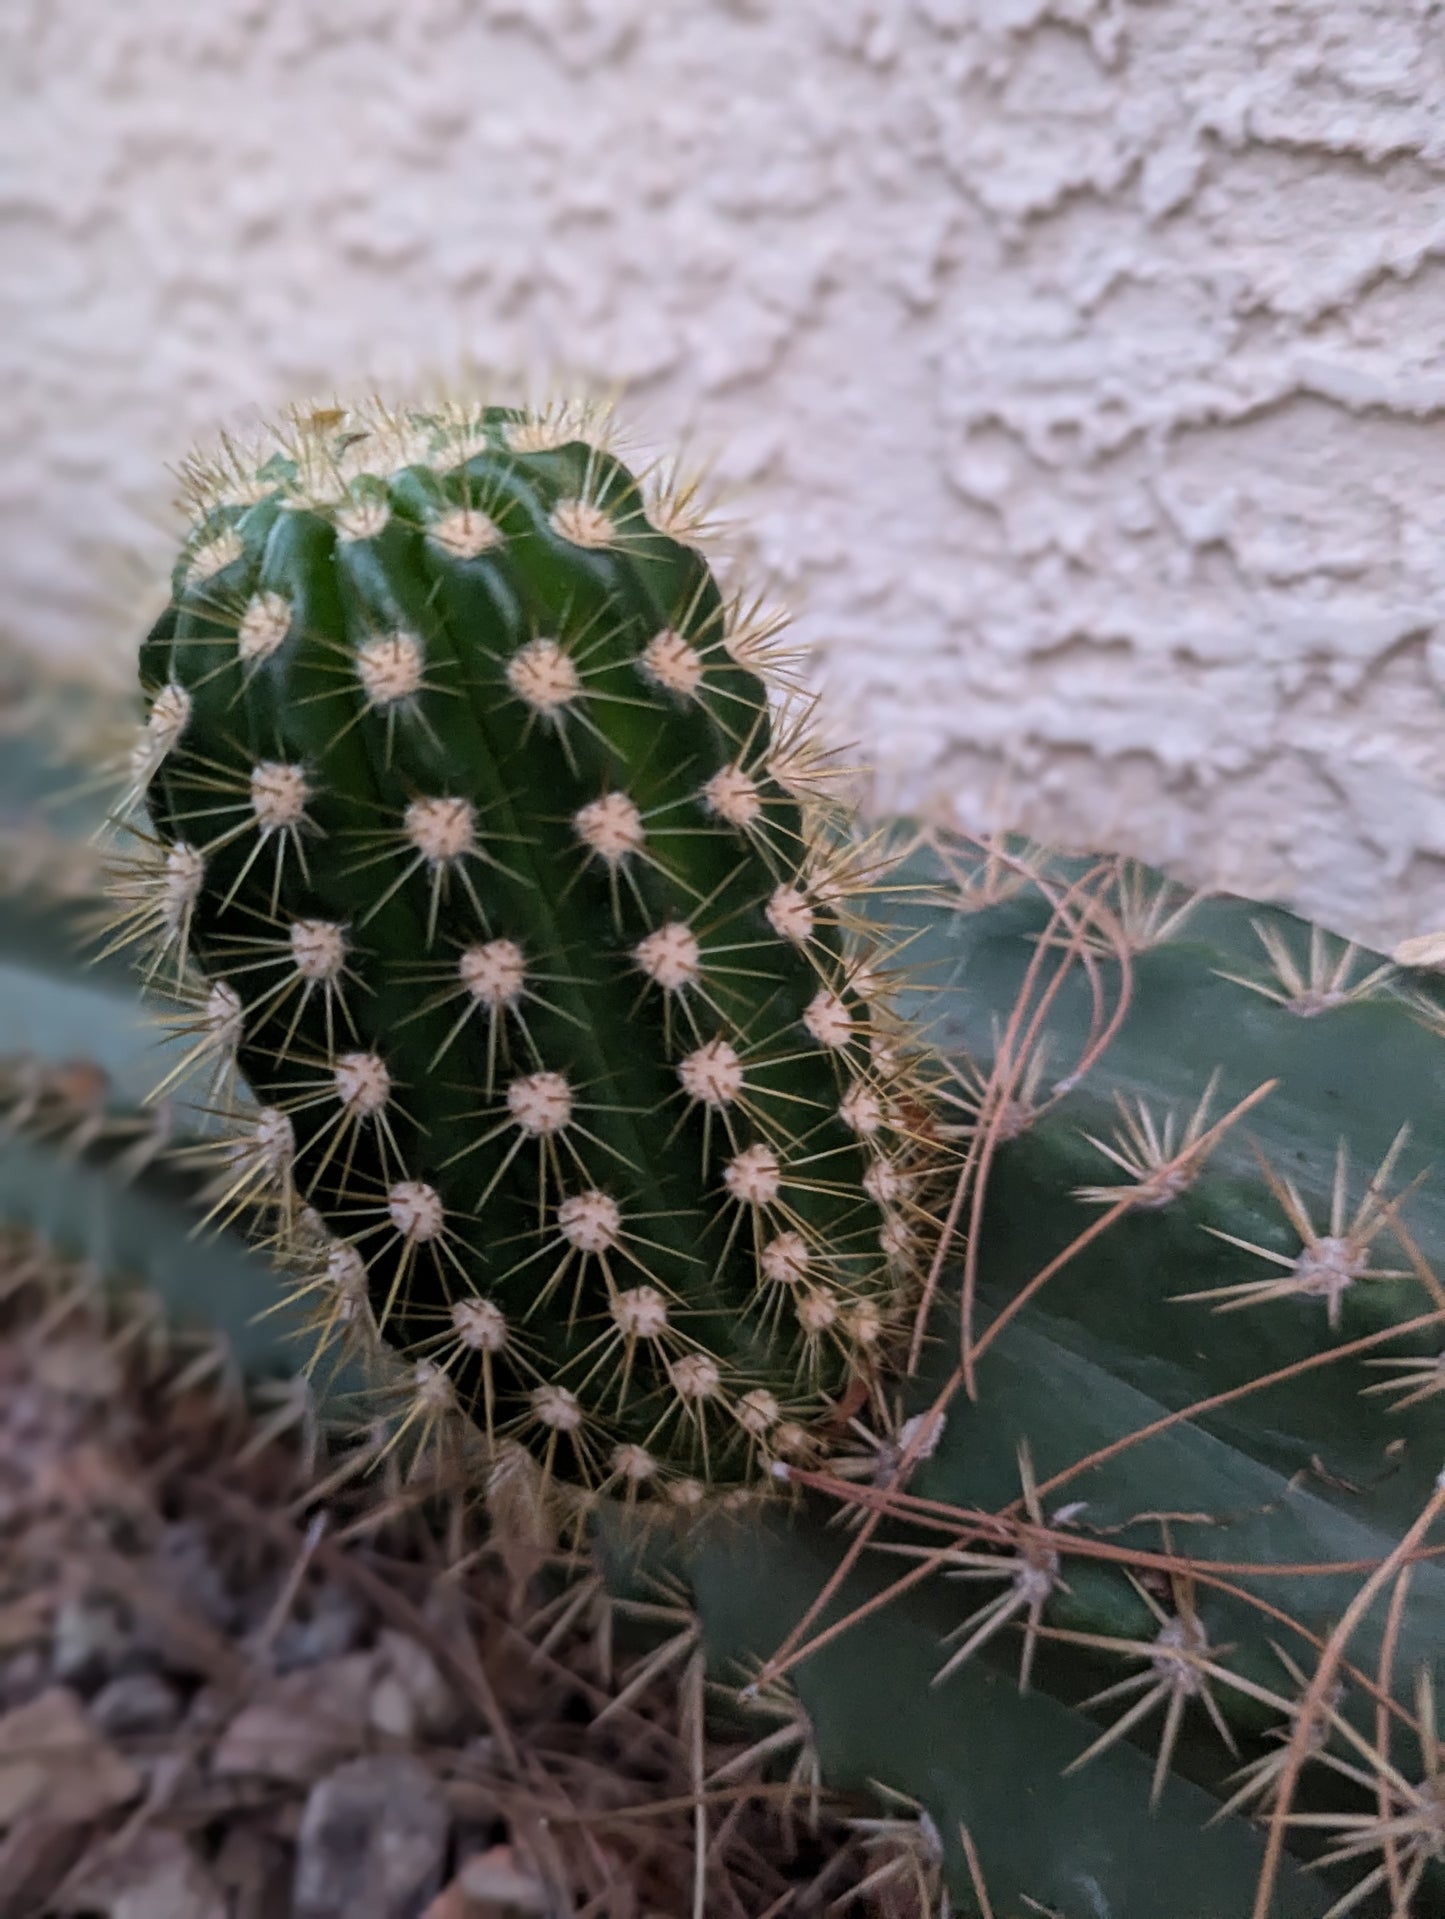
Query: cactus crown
(487, 835)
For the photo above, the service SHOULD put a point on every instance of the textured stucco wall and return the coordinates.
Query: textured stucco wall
(1083, 363)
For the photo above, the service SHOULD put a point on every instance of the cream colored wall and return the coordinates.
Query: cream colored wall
(1084, 363)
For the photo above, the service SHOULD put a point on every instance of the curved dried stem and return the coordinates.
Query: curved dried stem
(1316, 1692)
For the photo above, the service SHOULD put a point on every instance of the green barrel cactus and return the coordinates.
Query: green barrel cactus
(487, 838)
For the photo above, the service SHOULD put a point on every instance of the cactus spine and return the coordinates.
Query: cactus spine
(483, 825)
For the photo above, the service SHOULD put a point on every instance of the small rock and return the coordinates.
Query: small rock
(188, 1567)
(53, 1761)
(410, 1700)
(85, 1369)
(390, 1710)
(333, 1625)
(91, 1638)
(155, 1876)
(210, 1709)
(493, 1884)
(171, 1772)
(496, 1884)
(134, 1703)
(300, 1723)
(373, 1842)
